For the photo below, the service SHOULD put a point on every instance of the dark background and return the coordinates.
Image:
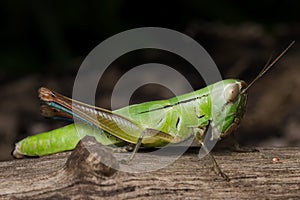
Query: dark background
(44, 42)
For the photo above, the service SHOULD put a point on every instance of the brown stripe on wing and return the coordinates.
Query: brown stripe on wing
(115, 124)
(48, 95)
(50, 112)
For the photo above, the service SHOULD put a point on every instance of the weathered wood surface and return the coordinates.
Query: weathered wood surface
(271, 173)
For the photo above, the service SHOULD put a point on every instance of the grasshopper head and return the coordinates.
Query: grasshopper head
(228, 101)
(228, 106)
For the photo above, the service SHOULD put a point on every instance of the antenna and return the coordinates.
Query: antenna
(268, 66)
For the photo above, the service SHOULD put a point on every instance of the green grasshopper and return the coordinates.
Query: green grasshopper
(151, 124)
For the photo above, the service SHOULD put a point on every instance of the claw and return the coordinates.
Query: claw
(218, 171)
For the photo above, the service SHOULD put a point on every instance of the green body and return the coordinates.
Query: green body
(179, 117)
(61, 139)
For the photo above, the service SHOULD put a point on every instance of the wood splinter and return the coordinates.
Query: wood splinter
(90, 159)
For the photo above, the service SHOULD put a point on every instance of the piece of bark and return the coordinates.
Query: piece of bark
(271, 173)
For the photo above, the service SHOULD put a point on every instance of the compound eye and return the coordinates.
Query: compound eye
(232, 92)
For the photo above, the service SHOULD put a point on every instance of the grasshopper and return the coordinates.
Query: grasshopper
(150, 124)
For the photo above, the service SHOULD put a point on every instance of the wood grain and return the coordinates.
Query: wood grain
(271, 173)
